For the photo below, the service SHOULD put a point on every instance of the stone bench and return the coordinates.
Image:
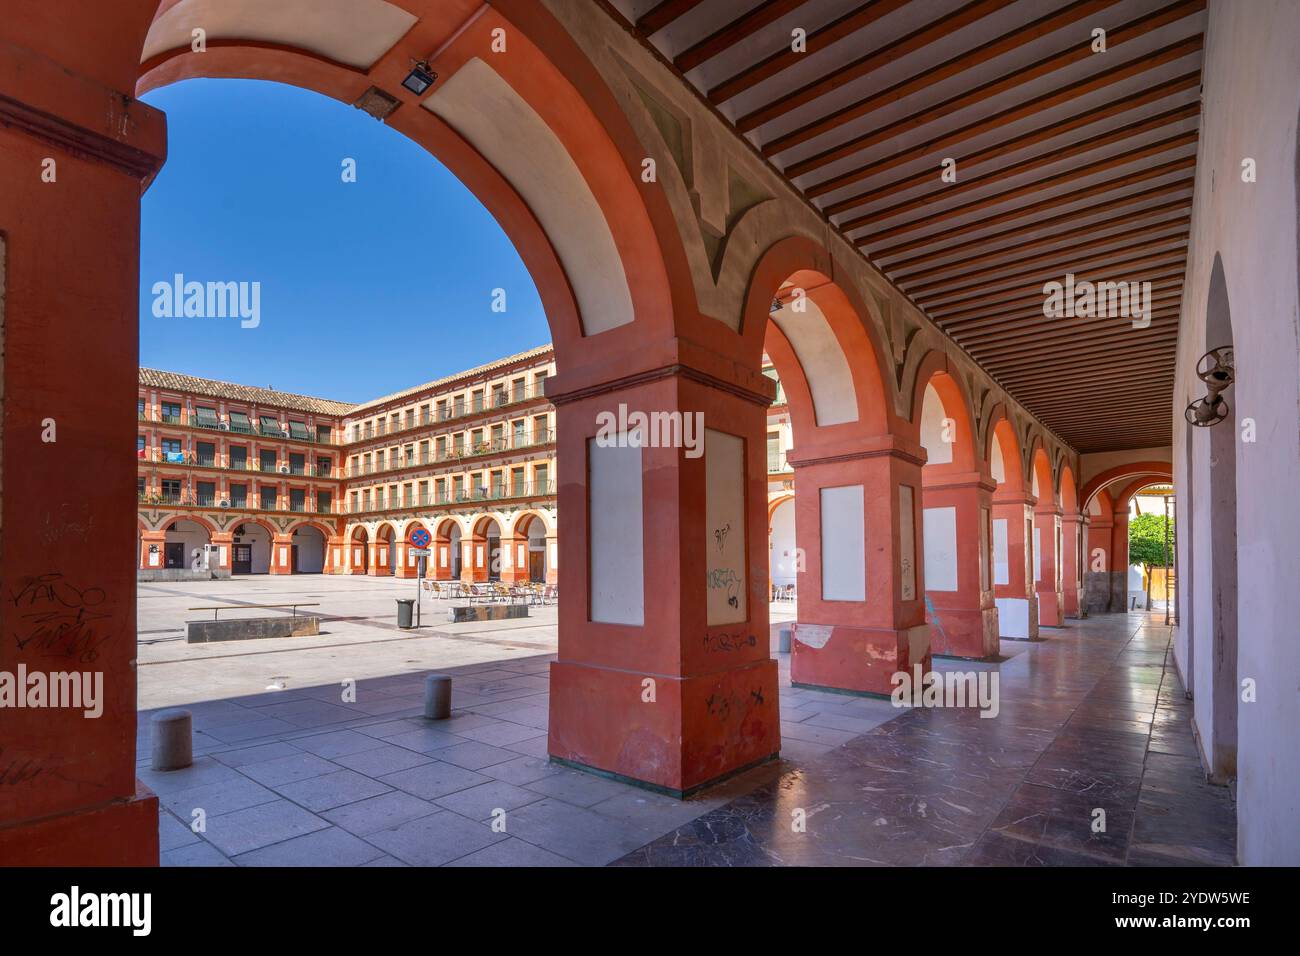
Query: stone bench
(251, 628)
(486, 612)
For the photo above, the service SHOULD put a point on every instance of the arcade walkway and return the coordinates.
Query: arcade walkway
(1094, 717)
(1091, 718)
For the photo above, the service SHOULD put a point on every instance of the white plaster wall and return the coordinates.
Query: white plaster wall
(997, 467)
(939, 452)
(822, 359)
(844, 557)
(1251, 97)
(617, 556)
(724, 528)
(311, 550)
(940, 543)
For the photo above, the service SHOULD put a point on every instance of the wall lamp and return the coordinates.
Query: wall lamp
(420, 78)
(1215, 369)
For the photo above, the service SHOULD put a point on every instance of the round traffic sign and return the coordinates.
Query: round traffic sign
(420, 538)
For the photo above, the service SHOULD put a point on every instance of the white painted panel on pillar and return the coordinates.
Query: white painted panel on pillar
(383, 556)
(442, 556)
(478, 551)
(615, 526)
(724, 527)
(221, 551)
(1038, 555)
(984, 549)
(940, 549)
(1001, 559)
(553, 555)
(844, 549)
(338, 556)
(521, 560)
(284, 557)
(1013, 617)
(907, 543)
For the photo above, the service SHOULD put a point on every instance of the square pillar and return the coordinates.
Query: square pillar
(1047, 566)
(861, 600)
(281, 554)
(1013, 563)
(664, 674)
(224, 542)
(1074, 530)
(68, 792)
(960, 608)
(152, 550)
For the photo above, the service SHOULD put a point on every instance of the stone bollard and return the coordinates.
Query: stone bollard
(784, 645)
(173, 740)
(437, 697)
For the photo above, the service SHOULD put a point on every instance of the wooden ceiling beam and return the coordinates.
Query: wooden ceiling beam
(720, 40)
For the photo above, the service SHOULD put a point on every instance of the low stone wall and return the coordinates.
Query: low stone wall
(486, 612)
(180, 574)
(251, 628)
(1105, 591)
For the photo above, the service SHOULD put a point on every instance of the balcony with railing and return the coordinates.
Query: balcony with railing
(538, 439)
(242, 426)
(502, 492)
(447, 413)
(225, 463)
(193, 499)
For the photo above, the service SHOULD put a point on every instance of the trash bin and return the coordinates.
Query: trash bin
(405, 612)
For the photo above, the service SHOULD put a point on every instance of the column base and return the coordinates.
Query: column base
(697, 731)
(1018, 618)
(1050, 605)
(856, 659)
(965, 633)
(122, 833)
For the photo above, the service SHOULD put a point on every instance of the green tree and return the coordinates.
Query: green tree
(1146, 544)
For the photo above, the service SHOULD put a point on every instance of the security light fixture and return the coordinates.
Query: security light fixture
(1215, 369)
(420, 78)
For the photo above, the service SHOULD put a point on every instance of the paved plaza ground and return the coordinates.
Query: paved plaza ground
(290, 771)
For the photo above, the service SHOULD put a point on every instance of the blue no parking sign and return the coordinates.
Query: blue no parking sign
(419, 538)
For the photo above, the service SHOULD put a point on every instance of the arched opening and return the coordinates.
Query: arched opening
(857, 492)
(1217, 613)
(385, 551)
(957, 502)
(250, 550)
(783, 562)
(185, 545)
(359, 552)
(1012, 532)
(307, 550)
(1047, 541)
(529, 562)
(447, 551)
(1073, 546)
(487, 550)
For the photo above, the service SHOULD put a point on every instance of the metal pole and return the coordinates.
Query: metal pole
(419, 576)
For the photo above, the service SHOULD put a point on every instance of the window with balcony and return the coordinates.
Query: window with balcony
(139, 488)
(297, 499)
(205, 493)
(458, 443)
(205, 453)
(457, 488)
(424, 452)
(238, 455)
(171, 491)
(476, 441)
(516, 481)
(355, 503)
(206, 417)
(266, 460)
(239, 496)
(298, 431)
(541, 429)
(498, 396)
(269, 425)
(541, 480)
(297, 464)
(424, 414)
(497, 483)
(406, 495)
(140, 451)
(476, 399)
(539, 384)
(140, 410)
(518, 389)
(171, 451)
(324, 434)
(518, 436)
(424, 492)
(239, 422)
(171, 412)
(267, 498)
(324, 501)
(323, 467)
(773, 452)
(440, 490)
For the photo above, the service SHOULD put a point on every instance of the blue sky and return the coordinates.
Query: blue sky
(366, 287)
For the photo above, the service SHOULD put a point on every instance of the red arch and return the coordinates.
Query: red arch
(1012, 462)
(811, 265)
(207, 525)
(935, 370)
(1135, 469)
(1069, 491)
(550, 72)
(1042, 471)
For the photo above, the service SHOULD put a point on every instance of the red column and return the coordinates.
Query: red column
(1073, 561)
(861, 609)
(1098, 565)
(224, 542)
(281, 554)
(1119, 562)
(1016, 598)
(552, 559)
(151, 550)
(661, 677)
(963, 619)
(1047, 547)
(404, 568)
(68, 793)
